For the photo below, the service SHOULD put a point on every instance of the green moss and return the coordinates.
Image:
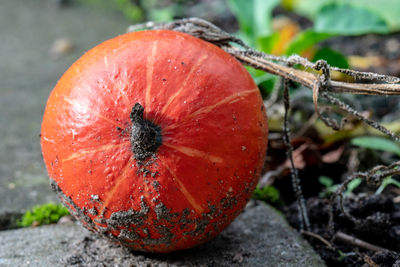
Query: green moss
(268, 194)
(43, 214)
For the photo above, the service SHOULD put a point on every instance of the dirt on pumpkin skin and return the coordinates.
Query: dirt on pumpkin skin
(251, 240)
(379, 225)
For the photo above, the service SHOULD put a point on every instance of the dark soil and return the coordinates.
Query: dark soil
(8, 220)
(378, 215)
(379, 226)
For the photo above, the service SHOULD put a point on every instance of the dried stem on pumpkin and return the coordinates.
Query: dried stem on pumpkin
(313, 75)
(301, 205)
(269, 63)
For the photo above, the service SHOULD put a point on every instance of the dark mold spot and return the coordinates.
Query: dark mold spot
(93, 211)
(228, 202)
(162, 212)
(156, 185)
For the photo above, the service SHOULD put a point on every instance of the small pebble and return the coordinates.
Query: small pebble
(238, 258)
(392, 45)
(61, 47)
(66, 220)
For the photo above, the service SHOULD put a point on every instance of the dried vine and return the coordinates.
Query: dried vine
(373, 177)
(315, 76)
(301, 205)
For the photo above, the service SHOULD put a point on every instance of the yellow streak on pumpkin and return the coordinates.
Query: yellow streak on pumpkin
(192, 201)
(149, 74)
(49, 140)
(106, 62)
(207, 109)
(78, 106)
(121, 85)
(113, 191)
(92, 151)
(183, 86)
(191, 152)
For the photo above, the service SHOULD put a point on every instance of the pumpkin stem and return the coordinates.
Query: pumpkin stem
(145, 135)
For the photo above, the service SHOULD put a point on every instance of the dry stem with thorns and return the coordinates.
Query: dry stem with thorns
(316, 76)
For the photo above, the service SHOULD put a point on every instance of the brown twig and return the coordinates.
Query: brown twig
(370, 263)
(357, 242)
(318, 237)
(347, 108)
(308, 79)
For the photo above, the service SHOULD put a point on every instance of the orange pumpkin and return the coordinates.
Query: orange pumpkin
(155, 139)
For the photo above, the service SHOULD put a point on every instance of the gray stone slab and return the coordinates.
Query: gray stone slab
(258, 237)
(27, 75)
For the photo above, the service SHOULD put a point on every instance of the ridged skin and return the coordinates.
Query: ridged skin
(214, 139)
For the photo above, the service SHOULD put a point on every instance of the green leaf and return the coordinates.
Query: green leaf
(333, 57)
(309, 8)
(265, 81)
(305, 40)
(325, 181)
(254, 16)
(330, 188)
(264, 77)
(353, 185)
(346, 19)
(388, 10)
(162, 14)
(387, 181)
(377, 143)
(130, 10)
(266, 43)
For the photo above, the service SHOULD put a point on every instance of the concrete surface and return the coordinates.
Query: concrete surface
(258, 237)
(28, 73)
